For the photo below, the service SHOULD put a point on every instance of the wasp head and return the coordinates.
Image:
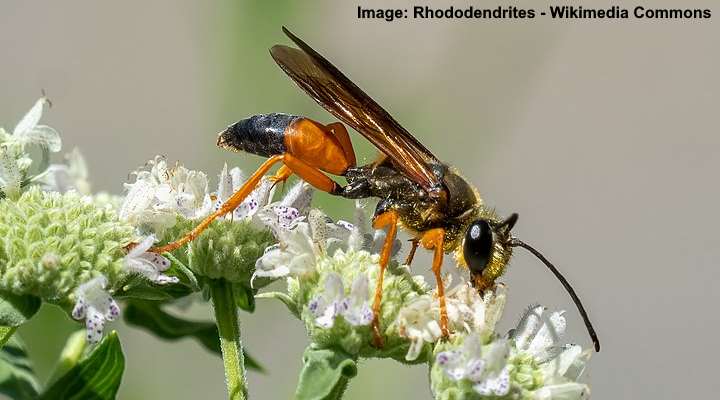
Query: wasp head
(486, 249)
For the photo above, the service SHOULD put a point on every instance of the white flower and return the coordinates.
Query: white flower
(300, 241)
(356, 306)
(539, 334)
(563, 391)
(484, 367)
(299, 197)
(14, 160)
(327, 235)
(363, 237)
(150, 265)
(232, 181)
(158, 196)
(27, 131)
(278, 218)
(66, 177)
(294, 255)
(542, 368)
(329, 304)
(186, 191)
(95, 305)
(283, 214)
(467, 312)
(333, 302)
(419, 325)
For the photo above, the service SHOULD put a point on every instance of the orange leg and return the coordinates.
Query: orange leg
(341, 134)
(232, 203)
(433, 239)
(389, 219)
(281, 175)
(310, 174)
(411, 254)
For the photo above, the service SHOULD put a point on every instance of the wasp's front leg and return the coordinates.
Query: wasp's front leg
(433, 240)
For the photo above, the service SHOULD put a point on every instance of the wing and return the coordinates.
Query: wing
(342, 98)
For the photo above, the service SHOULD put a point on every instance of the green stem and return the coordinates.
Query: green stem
(226, 317)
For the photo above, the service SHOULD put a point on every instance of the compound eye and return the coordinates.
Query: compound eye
(477, 247)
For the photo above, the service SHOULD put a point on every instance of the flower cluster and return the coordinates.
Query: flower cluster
(159, 195)
(467, 311)
(50, 243)
(528, 363)
(330, 269)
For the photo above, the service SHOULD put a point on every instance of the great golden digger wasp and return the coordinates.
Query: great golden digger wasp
(418, 192)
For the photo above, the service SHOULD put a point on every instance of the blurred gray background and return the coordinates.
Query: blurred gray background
(603, 135)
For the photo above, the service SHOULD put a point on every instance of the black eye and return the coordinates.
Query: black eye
(478, 246)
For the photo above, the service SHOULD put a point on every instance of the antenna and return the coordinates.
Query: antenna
(519, 243)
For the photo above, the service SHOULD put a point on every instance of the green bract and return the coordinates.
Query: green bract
(50, 243)
(227, 249)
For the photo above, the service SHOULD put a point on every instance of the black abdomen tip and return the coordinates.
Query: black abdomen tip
(261, 134)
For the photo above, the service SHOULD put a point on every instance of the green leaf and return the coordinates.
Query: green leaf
(149, 315)
(140, 288)
(5, 333)
(325, 374)
(95, 377)
(70, 355)
(244, 297)
(17, 379)
(16, 309)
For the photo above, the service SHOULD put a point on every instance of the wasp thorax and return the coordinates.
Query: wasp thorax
(478, 246)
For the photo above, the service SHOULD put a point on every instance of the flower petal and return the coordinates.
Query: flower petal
(299, 197)
(42, 135)
(498, 385)
(357, 310)
(529, 325)
(142, 247)
(10, 176)
(549, 334)
(96, 306)
(225, 187)
(31, 119)
(158, 262)
(139, 198)
(563, 391)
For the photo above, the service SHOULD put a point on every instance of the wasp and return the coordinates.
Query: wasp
(417, 192)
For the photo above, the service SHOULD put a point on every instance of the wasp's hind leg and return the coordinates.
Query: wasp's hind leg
(387, 219)
(306, 148)
(341, 134)
(282, 175)
(310, 174)
(433, 240)
(231, 204)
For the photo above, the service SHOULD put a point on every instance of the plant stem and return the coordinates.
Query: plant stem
(226, 317)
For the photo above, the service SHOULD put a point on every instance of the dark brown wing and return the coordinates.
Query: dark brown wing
(337, 94)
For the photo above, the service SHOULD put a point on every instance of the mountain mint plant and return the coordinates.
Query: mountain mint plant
(91, 254)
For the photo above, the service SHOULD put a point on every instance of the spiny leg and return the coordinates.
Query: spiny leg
(411, 254)
(231, 204)
(389, 219)
(433, 239)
